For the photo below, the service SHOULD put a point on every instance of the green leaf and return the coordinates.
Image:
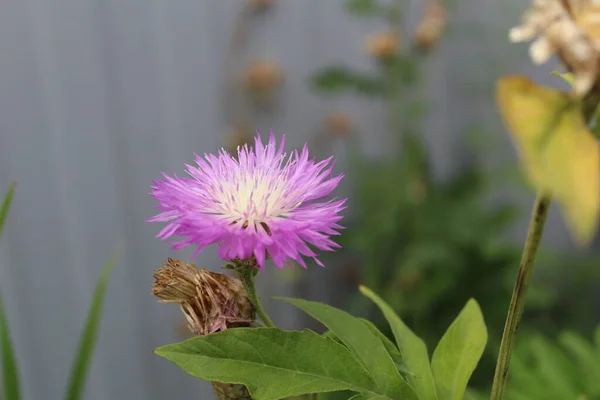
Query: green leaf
(558, 152)
(412, 348)
(387, 343)
(335, 80)
(87, 341)
(551, 362)
(585, 355)
(10, 371)
(362, 343)
(567, 77)
(363, 397)
(391, 348)
(362, 7)
(367, 85)
(332, 79)
(458, 352)
(6, 204)
(272, 363)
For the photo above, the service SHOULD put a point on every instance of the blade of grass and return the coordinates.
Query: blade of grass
(10, 372)
(87, 341)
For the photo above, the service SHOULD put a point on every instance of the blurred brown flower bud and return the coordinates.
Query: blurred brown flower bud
(260, 4)
(382, 45)
(262, 76)
(431, 27)
(210, 301)
(236, 137)
(338, 123)
(569, 28)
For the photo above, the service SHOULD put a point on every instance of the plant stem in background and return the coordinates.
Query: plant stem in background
(247, 274)
(517, 302)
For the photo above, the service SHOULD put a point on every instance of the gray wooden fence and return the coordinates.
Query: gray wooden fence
(97, 97)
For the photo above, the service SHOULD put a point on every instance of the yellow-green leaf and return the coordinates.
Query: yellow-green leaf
(567, 77)
(559, 154)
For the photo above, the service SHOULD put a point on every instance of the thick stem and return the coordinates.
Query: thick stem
(247, 275)
(517, 302)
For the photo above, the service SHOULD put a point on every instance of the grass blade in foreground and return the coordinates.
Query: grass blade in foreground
(88, 338)
(273, 363)
(10, 372)
(412, 348)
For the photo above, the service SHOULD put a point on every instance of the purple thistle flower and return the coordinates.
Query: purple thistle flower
(262, 204)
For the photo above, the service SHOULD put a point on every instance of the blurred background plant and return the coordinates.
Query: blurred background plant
(428, 245)
(565, 367)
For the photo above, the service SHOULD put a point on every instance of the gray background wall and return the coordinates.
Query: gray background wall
(98, 97)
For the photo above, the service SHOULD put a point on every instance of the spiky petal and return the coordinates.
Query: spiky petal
(262, 203)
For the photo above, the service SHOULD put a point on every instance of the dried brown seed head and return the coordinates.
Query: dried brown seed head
(210, 301)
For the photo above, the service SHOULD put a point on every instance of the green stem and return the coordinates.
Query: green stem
(517, 302)
(247, 275)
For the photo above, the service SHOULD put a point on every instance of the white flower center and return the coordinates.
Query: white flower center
(252, 197)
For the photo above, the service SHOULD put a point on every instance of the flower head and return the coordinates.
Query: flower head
(569, 28)
(261, 204)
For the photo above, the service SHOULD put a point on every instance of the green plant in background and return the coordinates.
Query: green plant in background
(566, 368)
(427, 246)
(75, 387)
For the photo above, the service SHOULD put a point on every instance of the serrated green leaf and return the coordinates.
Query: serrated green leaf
(10, 371)
(412, 348)
(363, 344)
(458, 352)
(87, 341)
(272, 363)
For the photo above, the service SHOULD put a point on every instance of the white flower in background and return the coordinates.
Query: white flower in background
(568, 28)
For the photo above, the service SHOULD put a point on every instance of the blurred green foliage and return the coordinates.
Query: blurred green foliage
(428, 246)
(563, 369)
